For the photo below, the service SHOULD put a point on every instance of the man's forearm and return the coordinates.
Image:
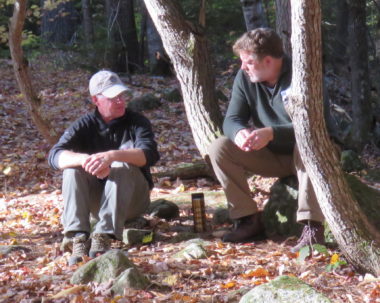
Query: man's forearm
(69, 159)
(134, 156)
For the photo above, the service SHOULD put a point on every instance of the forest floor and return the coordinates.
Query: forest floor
(31, 204)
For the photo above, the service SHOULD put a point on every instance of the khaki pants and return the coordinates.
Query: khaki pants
(231, 164)
(124, 195)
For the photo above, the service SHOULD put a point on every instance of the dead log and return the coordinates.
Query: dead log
(184, 171)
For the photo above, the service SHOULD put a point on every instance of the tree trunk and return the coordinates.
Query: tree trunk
(21, 70)
(122, 43)
(341, 36)
(131, 41)
(156, 52)
(361, 104)
(254, 14)
(284, 24)
(88, 29)
(187, 48)
(357, 238)
(59, 21)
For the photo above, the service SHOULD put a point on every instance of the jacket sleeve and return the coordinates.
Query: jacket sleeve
(144, 139)
(70, 140)
(238, 112)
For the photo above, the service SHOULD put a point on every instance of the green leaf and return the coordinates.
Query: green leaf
(303, 253)
(321, 249)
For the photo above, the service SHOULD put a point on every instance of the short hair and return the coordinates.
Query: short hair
(260, 42)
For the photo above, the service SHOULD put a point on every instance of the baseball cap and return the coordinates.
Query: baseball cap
(106, 83)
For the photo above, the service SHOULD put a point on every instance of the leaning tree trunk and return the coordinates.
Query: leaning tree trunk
(361, 101)
(186, 46)
(284, 24)
(21, 70)
(357, 238)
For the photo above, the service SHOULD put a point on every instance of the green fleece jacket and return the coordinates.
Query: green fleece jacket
(252, 102)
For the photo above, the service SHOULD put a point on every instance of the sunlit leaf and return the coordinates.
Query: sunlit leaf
(7, 170)
(147, 238)
(229, 285)
(334, 258)
(170, 280)
(259, 272)
(69, 291)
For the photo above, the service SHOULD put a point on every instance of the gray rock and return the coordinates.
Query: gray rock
(280, 211)
(7, 249)
(133, 236)
(350, 161)
(130, 278)
(198, 241)
(103, 268)
(284, 289)
(183, 236)
(192, 251)
(221, 216)
(163, 209)
(145, 102)
(173, 95)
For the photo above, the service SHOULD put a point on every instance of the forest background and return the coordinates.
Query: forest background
(64, 42)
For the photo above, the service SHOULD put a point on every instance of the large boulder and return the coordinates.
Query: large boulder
(284, 289)
(103, 268)
(173, 95)
(279, 213)
(145, 102)
(130, 278)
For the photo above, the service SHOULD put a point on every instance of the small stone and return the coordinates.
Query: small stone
(133, 236)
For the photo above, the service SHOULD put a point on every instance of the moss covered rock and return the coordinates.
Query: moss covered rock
(280, 211)
(284, 289)
(130, 278)
(103, 268)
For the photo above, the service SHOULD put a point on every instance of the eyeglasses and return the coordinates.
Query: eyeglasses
(119, 98)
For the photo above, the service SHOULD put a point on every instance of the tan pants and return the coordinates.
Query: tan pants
(231, 164)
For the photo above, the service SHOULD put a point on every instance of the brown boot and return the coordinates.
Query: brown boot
(313, 233)
(245, 229)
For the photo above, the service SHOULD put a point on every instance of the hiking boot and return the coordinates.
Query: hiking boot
(80, 245)
(312, 233)
(245, 229)
(100, 244)
(66, 245)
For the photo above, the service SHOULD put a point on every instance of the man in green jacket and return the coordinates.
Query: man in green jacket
(260, 138)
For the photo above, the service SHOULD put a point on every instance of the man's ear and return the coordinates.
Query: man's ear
(94, 100)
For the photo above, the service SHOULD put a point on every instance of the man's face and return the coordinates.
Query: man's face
(257, 70)
(110, 108)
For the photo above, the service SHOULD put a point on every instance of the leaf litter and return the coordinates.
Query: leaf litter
(31, 205)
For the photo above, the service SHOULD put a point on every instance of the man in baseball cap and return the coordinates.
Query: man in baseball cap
(106, 83)
(105, 157)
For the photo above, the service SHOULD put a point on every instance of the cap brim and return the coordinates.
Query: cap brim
(115, 90)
